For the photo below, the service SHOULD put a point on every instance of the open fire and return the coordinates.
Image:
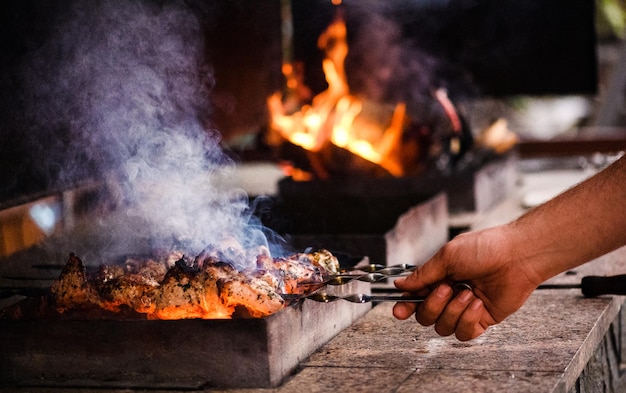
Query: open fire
(383, 134)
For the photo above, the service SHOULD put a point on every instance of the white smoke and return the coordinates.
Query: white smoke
(129, 83)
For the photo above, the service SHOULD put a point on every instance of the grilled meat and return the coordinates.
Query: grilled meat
(256, 295)
(190, 293)
(73, 290)
(203, 288)
(133, 290)
(134, 284)
(299, 271)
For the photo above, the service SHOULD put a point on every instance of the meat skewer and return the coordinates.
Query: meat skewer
(205, 288)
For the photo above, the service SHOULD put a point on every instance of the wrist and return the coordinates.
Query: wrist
(529, 253)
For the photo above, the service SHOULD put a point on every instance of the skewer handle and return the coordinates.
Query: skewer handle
(592, 286)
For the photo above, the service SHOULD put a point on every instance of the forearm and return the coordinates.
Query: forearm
(579, 225)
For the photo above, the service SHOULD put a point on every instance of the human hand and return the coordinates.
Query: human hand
(490, 264)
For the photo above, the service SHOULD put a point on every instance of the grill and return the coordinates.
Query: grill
(180, 354)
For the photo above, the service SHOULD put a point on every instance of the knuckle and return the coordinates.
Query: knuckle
(428, 312)
(443, 330)
(424, 320)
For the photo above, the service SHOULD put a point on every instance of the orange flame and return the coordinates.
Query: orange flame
(332, 115)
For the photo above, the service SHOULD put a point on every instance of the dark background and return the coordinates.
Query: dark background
(506, 47)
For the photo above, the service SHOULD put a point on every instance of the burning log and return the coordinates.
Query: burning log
(337, 124)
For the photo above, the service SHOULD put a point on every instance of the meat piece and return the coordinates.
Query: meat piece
(257, 295)
(133, 284)
(72, 289)
(109, 272)
(147, 267)
(296, 276)
(323, 259)
(269, 277)
(133, 290)
(190, 293)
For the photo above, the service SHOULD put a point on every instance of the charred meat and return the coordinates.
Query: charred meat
(203, 288)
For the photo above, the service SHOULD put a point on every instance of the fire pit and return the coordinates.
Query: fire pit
(346, 133)
(95, 346)
(181, 354)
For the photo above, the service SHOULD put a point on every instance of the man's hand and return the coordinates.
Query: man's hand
(499, 285)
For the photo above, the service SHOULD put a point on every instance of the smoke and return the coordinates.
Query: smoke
(121, 89)
(382, 66)
(387, 64)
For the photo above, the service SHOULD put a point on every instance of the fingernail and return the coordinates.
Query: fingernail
(465, 296)
(399, 281)
(476, 304)
(444, 291)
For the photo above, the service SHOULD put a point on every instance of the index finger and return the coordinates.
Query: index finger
(416, 284)
(423, 277)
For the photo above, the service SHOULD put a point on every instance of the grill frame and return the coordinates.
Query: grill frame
(173, 354)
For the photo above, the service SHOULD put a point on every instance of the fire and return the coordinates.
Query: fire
(333, 114)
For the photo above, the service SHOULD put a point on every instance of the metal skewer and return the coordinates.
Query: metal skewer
(354, 298)
(372, 273)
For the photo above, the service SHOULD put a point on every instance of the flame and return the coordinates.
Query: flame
(332, 114)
